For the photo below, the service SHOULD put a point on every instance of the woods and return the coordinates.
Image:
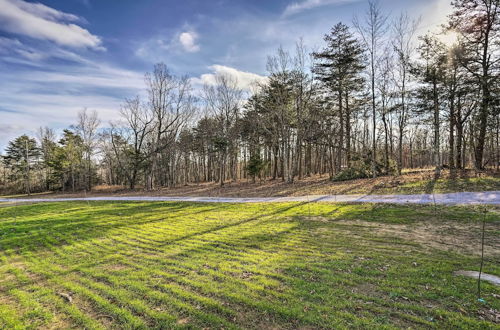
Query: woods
(376, 97)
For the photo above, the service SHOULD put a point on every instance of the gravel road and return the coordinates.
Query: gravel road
(469, 198)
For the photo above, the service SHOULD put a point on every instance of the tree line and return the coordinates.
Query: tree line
(374, 99)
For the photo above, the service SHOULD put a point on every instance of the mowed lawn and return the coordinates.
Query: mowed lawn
(263, 266)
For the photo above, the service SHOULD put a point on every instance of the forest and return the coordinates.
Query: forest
(376, 97)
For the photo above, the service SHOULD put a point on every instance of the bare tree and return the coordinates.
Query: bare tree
(403, 29)
(223, 100)
(372, 31)
(47, 138)
(86, 128)
(133, 131)
(478, 25)
(280, 68)
(171, 104)
(303, 94)
(385, 89)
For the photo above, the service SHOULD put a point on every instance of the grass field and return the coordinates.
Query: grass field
(262, 266)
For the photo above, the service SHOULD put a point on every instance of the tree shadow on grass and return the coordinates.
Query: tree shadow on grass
(299, 276)
(431, 184)
(280, 210)
(56, 224)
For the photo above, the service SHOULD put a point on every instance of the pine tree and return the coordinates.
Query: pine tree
(338, 66)
(22, 155)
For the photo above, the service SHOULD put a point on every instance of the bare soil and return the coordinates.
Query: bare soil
(445, 235)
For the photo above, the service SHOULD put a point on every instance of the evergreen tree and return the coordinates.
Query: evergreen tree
(22, 156)
(338, 66)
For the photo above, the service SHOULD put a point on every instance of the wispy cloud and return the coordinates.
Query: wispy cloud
(45, 12)
(297, 7)
(16, 52)
(42, 94)
(38, 21)
(12, 49)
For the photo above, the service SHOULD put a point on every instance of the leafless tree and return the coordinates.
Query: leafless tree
(477, 23)
(133, 132)
(372, 32)
(87, 124)
(171, 104)
(403, 29)
(47, 139)
(385, 89)
(223, 99)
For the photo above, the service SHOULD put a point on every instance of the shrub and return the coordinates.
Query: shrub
(350, 173)
(392, 169)
(361, 168)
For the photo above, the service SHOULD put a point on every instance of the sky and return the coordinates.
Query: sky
(58, 57)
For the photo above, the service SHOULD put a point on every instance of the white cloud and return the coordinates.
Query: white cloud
(43, 11)
(41, 22)
(55, 111)
(16, 49)
(245, 80)
(35, 97)
(297, 7)
(188, 41)
(89, 76)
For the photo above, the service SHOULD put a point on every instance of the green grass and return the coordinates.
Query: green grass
(446, 186)
(188, 265)
(26, 195)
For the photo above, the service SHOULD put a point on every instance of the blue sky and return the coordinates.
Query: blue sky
(59, 56)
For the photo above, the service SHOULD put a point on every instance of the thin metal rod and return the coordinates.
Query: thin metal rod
(482, 258)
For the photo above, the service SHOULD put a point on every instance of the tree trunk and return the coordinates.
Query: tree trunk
(341, 133)
(347, 130)
(386, 142)
(436, 127)
(483, 122)
(451, 156)
(374, 123)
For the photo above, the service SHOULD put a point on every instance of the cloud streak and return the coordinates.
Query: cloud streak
(297, 7)
(41, 96)
(38, 21)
